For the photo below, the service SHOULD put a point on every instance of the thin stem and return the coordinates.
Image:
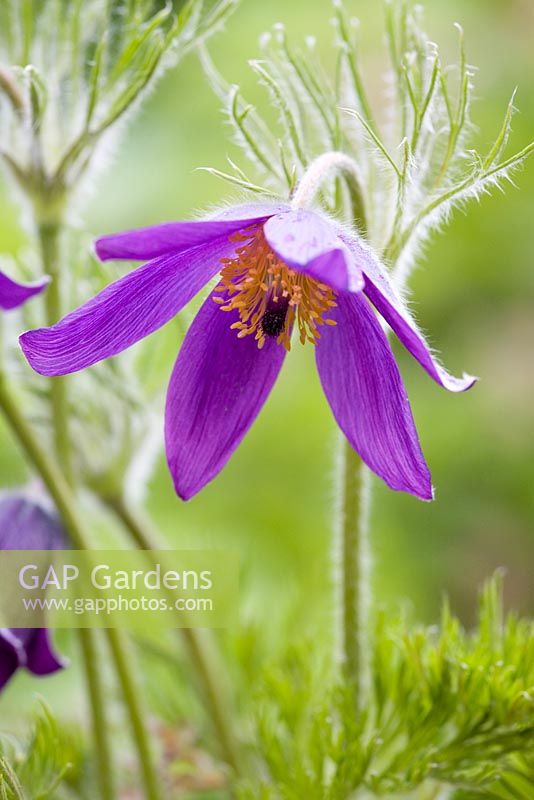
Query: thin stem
(350, 52)
(197, 645)
(353, 576)
(65, 502)
(395, 248)
(10, 88)
(376, 139)
(135, 712)
(45, 465)
(49, 234)
(354, 567)
(57, 478)
(98, 712)
(325, 166)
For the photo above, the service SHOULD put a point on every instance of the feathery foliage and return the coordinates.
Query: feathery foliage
(34, 769)
(415, 158)
(71, 76)
(449, 714)
(70, 71)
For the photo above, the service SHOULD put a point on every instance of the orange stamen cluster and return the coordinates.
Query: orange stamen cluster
(260, 286)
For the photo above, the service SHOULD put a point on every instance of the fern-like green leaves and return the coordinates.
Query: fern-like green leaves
(36, 768)
(414, 151)
(449, 714)
(71, 70)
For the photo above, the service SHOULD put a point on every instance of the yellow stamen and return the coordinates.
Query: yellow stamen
(270, 296)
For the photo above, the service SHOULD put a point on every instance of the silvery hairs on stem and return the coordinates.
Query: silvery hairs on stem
(415, 165)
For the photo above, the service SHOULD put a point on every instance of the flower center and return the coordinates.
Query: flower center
(270, 296)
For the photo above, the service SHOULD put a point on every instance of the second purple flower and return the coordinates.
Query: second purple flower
(27, 524)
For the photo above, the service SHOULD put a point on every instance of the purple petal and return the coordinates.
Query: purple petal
(10, 653)
(40, 656)
(310, 244)
(26, 524)
(362, 383)
(218, 387)
(27, 648)
(125, 312)
(381, 292)
(174, 237)
(13, 294)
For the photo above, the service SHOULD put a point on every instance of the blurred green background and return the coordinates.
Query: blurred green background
(473, 294)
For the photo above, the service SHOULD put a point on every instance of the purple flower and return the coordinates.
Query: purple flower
(25, 524)
(279, 269)
(13, 294)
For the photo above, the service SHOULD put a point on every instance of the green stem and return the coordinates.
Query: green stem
(9, 87)
(87, 640)
(49, 239)
(197, 644)
(65, 502)
(49, 235)
(45, 465)
(354, 567)
(135, 712)
(353, 574)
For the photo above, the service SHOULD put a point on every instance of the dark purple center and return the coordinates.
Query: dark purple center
(274, 319)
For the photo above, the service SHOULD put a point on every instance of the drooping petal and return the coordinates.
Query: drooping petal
(28, 648)
(28, 523)
(174, 237)
(13, 294)
(380, 290)
(217, 389)
(40, 656)
(310, 244)
(362, 383)
(125, 312)
(10, 652)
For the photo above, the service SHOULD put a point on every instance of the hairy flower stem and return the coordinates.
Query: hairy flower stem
(44, 463)
(98, 713)
(352, 547)
(198, 646)
(131, 696)
(61, 493)
(49, 235)
(325, 166)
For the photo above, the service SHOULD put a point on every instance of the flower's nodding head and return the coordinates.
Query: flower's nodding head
(279, 267)
(269, 296)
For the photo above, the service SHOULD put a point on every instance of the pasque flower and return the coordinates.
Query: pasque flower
(13, 294)
(279, 269)
(26, 524)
